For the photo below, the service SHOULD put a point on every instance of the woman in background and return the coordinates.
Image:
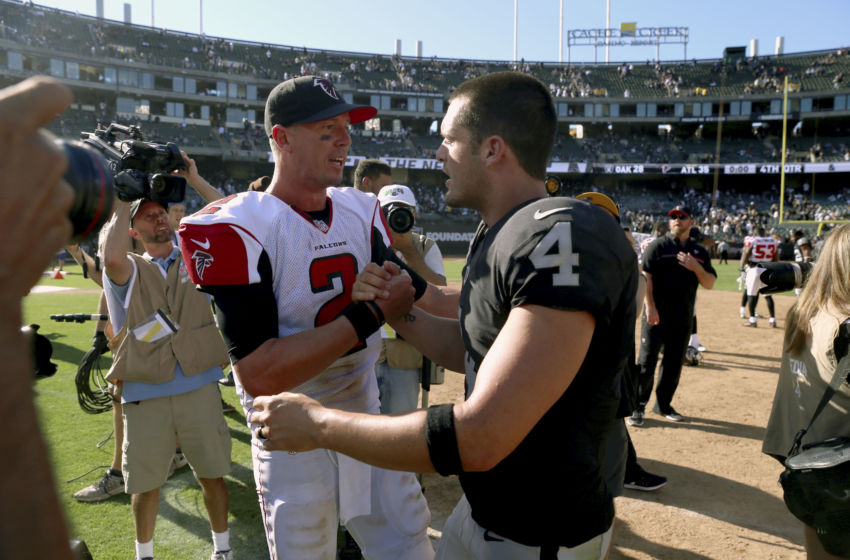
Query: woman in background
(817, 335)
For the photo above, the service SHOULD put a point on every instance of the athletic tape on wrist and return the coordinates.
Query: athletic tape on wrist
(362, 319)
(442, 440)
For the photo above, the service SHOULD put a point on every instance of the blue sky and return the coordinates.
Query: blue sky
(483, 29)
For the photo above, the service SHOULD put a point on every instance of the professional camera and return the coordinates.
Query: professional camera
(141, 169)
(399, 217)
(117, 161)
(776, 277)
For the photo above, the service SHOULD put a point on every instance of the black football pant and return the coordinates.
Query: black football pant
(752, 301)
(673, 335)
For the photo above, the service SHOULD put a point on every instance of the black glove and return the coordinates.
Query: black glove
(100, 344)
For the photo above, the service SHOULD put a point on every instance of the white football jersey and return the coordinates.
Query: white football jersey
(314, 265)
(764, 249)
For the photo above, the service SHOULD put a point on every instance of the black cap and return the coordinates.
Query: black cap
(136, 204)
(309, 99)
(681, 209)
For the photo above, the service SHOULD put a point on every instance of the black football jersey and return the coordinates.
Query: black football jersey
(565, 254)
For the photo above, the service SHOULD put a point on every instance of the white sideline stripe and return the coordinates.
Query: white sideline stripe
(49, 289)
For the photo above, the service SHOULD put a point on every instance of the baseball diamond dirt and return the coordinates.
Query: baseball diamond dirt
(723, 499)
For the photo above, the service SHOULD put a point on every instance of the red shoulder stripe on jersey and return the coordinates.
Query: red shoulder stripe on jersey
(216, 254)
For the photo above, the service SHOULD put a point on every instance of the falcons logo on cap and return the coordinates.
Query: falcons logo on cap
(202, 261)
(326, 87)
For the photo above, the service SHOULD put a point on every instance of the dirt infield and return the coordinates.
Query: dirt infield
(723, 500)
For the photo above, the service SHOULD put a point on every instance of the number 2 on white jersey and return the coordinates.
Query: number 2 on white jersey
(564, 259)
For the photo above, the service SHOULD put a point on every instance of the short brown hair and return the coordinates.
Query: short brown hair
(515, 106)
(260, 183)
(372, 168)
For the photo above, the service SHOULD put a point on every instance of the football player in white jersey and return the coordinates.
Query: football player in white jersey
(758, 249)
(280, 265)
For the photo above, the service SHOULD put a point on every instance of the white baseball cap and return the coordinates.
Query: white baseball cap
(397, 193)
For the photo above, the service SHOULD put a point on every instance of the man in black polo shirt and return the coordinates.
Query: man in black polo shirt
(674, 265)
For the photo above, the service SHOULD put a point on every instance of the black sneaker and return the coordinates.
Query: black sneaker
(645, 481)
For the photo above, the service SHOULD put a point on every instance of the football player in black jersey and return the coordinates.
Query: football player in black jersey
(546, 322)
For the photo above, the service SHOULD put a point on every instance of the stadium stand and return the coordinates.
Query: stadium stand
(652, 133)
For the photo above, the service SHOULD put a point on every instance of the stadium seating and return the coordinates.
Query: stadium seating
(231, 150)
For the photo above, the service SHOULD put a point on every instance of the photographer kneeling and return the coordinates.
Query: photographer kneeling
(817, 337)
(399, 366)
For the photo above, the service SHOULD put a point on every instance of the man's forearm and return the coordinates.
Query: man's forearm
(649, 299)
(440, 301)
(437, 337)
(281, 364)
(117, 245)
(705, 278)
(87, 262)
(208, 192)
(377, 439)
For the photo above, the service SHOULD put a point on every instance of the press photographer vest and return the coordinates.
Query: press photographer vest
(398, 353)
(196, 344)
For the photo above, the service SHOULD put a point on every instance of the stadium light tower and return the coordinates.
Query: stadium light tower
(515, 26)
(561, 34)
(607, 33)
(200, 17)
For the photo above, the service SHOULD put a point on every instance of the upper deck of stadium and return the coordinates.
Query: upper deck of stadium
(207, 92)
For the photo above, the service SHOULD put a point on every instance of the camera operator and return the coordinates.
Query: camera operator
(168, 383)
(35, 199)
(111, 482)
(399, 368)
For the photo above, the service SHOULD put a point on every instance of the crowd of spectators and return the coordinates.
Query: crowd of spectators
(49, 28)
(36, 26)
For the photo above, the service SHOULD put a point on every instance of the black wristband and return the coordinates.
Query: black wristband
(442, 440)
(362, 319)
(374, 306)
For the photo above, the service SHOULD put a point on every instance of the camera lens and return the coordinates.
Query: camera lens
(167, 188)
(399, 218)
(91, 181)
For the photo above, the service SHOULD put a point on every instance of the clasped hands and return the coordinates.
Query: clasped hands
(294, 422)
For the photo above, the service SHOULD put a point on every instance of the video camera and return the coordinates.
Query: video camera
(116, 161)
(776, 277)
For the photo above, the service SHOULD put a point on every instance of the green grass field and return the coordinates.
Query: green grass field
(80, 443)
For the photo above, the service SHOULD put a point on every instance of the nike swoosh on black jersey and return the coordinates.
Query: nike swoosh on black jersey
(538, 215)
